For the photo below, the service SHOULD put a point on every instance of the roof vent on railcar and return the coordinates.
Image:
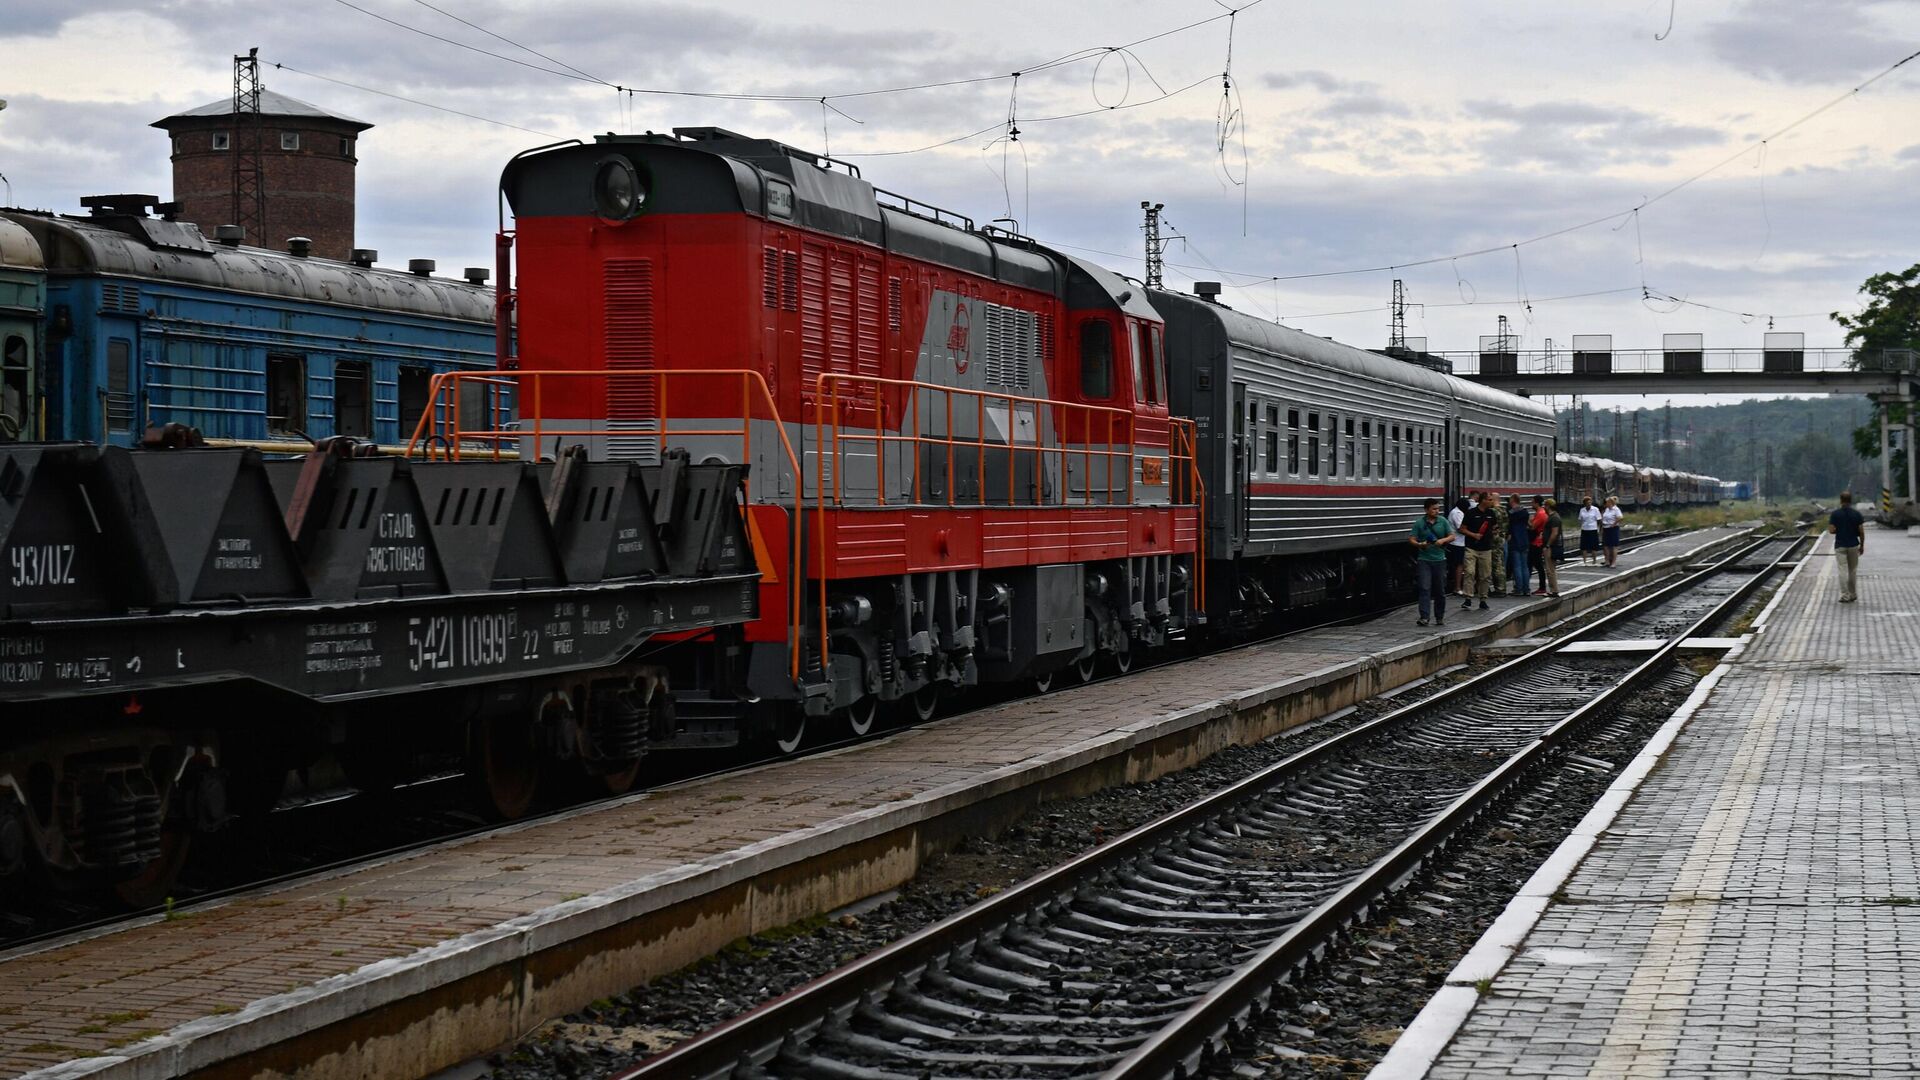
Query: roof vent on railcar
(229, 235)
(299, 246)
(476, 275)
(1207, 290)
(421, 267)
(363, 257)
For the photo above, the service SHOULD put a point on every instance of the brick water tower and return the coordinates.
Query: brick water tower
(272, 164)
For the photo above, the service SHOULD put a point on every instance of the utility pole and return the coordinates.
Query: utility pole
(249, 188)
(1156, 244)
(1635, 461)
(1397, 330)
(1766, 483)
(1666, 435)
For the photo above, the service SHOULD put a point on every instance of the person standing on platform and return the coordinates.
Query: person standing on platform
(1849, 531)
(1519, 545)
(1430, 540)
(1495, 505)
(1610, 528)
(1477, 526)
(1537, 539)
(1550, 549)
(1589, 530)
(1456, 547)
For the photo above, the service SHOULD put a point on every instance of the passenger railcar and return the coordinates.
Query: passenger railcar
(1317, 455)
(147, 323)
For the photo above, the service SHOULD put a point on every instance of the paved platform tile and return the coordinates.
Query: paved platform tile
(1755, 908)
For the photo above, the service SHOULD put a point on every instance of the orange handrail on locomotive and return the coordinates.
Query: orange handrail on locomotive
(830, 433)
(441, 426)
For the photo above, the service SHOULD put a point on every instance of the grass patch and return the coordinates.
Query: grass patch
(1483, 987)
(121, 1017)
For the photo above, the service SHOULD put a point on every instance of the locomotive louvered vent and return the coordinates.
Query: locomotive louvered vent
(1046, 337)
(893, 304)
(632, 408)
(790, 281)
(1013, 337)
(770, 277)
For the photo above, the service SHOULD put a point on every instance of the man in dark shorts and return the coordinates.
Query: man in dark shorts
(1849, 531)
(1430, 542)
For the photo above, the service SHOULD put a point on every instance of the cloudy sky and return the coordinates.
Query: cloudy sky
(1357, 135)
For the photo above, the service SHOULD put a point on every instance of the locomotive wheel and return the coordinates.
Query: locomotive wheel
(1123, 661)
(926, 702)
(506, 766)
(1043, 683)
(787, 727)
(861, 714)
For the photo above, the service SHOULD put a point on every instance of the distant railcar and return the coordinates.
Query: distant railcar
(144, 322)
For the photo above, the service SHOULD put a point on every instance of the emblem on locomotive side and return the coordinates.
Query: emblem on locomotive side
(959, 344)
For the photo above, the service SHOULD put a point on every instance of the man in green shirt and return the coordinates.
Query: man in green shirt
(1429, 540)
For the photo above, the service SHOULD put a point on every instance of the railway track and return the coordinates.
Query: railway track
(337, 833)
(1146, 957)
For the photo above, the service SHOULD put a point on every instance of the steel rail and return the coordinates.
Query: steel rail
(1184, 1046)
(759, 1035)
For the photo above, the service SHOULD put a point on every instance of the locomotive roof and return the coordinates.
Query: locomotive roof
(712, 170)
(160, 250)
(1285, 341)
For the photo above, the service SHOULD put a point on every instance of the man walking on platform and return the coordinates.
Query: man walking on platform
(1477, 526)
(1430, 541)
(1849, 543)
(1457, 547)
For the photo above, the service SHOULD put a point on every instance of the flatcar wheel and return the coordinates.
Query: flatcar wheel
(1123, 661)
(926, 702)
(861, 714)
(154, 883)
(620, 781)
(507, 765)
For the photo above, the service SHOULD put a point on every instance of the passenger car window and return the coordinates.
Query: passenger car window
(286, 394)
(1293, 441)
(1096, 359)
(1273, 438)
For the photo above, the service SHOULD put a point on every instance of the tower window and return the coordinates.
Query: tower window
(346, 147)
(219, 140)
(289, 140)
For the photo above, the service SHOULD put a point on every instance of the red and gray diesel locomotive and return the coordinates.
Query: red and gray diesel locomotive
(973, 458)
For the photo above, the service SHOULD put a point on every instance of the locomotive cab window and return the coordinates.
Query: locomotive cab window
(1096, 359)
(286, 394)
(1156, 367)
(1139, 340)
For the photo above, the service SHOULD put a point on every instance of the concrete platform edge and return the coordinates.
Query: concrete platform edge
(501, 955)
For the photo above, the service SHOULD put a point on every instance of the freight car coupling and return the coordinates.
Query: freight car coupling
(178, 628)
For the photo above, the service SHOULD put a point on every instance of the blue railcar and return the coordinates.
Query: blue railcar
(148, 323)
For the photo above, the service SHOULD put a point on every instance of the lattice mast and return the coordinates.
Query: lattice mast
(1397, 329)
(249, 186)
(1156, 246)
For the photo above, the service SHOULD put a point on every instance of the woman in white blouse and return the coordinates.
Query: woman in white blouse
(1589, 530)
(1610, 528)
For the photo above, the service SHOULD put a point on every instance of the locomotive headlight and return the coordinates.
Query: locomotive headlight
(618, 192)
